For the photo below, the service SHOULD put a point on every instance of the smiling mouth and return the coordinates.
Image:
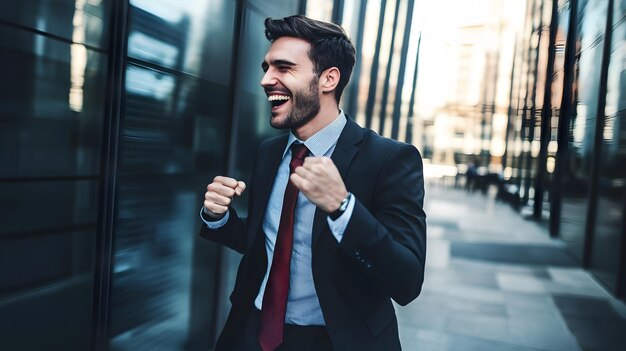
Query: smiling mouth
(277, 100)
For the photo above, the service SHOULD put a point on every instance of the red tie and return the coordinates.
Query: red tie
(275, 295)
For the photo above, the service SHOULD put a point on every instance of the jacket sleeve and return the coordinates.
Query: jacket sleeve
(388, 241)
(232, 234)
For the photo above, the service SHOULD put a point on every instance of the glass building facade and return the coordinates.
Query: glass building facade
(114, 115)
(566, 142)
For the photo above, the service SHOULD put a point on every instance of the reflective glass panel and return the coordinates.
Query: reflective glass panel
(51, 108)
(609, 225)
(576, 179)
(81, 21)
(172, 143)
(195, 37)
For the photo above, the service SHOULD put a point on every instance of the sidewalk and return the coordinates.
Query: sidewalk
(495, 281)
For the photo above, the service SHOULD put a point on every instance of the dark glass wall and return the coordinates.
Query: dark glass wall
(608, 234)
(177, 83)
(53, 68)
(587, 192)
(576, 179)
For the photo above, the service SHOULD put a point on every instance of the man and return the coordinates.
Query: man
(335, 227)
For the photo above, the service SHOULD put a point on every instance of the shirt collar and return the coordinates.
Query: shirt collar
(320, 142)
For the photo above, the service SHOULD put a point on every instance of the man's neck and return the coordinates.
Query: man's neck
(325, 116)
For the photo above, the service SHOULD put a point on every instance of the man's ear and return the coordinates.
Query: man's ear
(329, 79)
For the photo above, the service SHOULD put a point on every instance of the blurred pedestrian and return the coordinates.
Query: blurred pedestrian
(471, 174)
(335, 227)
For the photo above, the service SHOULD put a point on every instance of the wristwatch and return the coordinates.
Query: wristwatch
(342, 208)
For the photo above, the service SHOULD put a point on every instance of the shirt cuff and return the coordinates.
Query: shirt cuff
(214, 224)
(338, 226)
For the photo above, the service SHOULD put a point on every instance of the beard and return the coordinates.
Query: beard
(305, 106)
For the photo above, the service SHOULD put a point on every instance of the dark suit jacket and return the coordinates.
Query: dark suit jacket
(382, 253)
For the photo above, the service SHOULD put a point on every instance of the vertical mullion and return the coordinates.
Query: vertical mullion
(546, 116)
(597, 142)
(383, 105)
(510, 109)
(397, 104)
(352, 105)
(520, 159)
(337, 11)
(108, 184)
(620, 291)
(302, 7)
(533, 109)
(371, 94)
(565, 113)
(409, 123)
(221, 264)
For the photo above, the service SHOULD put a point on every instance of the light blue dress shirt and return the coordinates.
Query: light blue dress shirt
(303, 306)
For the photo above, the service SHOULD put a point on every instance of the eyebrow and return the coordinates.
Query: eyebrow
(265, 65)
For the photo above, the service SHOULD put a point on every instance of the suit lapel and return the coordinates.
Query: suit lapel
(342, 157)
(267, 169)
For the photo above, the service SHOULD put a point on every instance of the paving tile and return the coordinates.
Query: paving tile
(481, 326)
(513, 253)
(477, 308)
(442, 223)
(424, 339)
(435, 231)
(473, 293)
(520, 282)
(468, 343)
(542, 273)
(528, 303)
(587, 307)
(545, 331)
(438, 253)
(598, 334)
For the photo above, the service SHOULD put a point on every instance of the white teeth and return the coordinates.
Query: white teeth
(277, 98)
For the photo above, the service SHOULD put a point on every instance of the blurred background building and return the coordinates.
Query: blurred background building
(114, 115)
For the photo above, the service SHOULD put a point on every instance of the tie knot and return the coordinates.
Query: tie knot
(298, 151)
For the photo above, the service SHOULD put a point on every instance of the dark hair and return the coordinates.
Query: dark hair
(330, 46)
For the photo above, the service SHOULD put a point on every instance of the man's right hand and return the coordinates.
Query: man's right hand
(220, 194)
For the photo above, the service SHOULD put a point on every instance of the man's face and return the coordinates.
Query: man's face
(290, 83)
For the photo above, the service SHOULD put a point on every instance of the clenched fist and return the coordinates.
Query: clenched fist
(220, 194)
(319, 180)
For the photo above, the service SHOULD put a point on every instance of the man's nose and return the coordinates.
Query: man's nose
(268, 79)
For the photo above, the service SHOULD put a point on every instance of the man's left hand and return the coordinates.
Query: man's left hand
(319, 180)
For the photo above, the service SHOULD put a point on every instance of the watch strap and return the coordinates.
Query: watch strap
(342, 208)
